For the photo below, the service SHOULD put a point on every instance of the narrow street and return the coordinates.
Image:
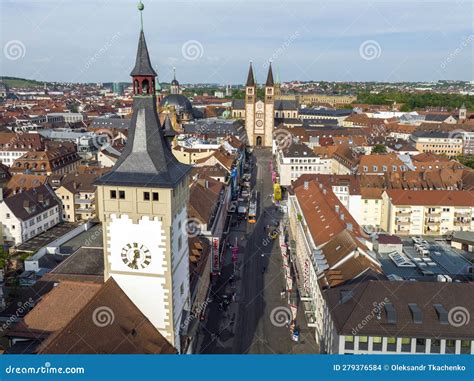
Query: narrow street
(249, 325)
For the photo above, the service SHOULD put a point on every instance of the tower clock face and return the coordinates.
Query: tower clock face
(259, 123)
(136, 256)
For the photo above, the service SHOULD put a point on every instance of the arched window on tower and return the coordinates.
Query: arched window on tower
(145, 87)
(136, 88)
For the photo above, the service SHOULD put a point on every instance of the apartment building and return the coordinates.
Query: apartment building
(439, 142)
(77, 195)
(386, 317)
(56, 159)
(427, 212)
(14, 145)
(299, 159)
(29, 213)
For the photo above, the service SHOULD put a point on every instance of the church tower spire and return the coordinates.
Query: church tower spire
(250, 77)
(270, 81)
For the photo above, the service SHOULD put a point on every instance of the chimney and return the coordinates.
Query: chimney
(305, 185)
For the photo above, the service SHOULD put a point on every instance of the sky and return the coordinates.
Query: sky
(212, 41)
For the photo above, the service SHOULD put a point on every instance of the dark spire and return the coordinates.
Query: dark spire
(250, 77)
(147, 160)
(142, 64)
(168, 127)
(270, 82)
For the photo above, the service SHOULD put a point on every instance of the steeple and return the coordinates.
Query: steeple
(174, 89)
(147, 160)
(143, 74)
(142, 63)
(168, 130)
(270, 81)
(250, 77)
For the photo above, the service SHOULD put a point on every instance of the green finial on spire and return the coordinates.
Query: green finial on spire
(141, 7)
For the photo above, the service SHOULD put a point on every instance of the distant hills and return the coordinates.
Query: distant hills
(20, 82)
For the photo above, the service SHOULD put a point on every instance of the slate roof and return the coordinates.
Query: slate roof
(326, 112)
(146, 159)
(298, 150)
(284, 104)
(238, 104)
(179, 101)
(270, 81)
(30, 203)
(350, 310)
(142, 63)
(250, 77)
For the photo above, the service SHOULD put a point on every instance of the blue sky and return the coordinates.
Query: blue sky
(213, 40)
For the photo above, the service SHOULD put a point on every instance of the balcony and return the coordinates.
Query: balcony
(403, 213)
(79, 200)
(402, 222)
(462, 213)
(462, 223)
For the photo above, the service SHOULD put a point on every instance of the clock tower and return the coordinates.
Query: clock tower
(142, 204)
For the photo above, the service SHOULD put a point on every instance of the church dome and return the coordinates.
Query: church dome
(180, 103)
(174, 82)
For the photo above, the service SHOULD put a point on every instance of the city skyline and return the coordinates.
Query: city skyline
(361, 41)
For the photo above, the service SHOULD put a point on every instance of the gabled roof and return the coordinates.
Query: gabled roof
(431, 197)
(125, 331)
(142, 64)
(31, 202)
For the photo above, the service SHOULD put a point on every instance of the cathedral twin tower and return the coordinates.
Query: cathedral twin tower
(259, 115)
